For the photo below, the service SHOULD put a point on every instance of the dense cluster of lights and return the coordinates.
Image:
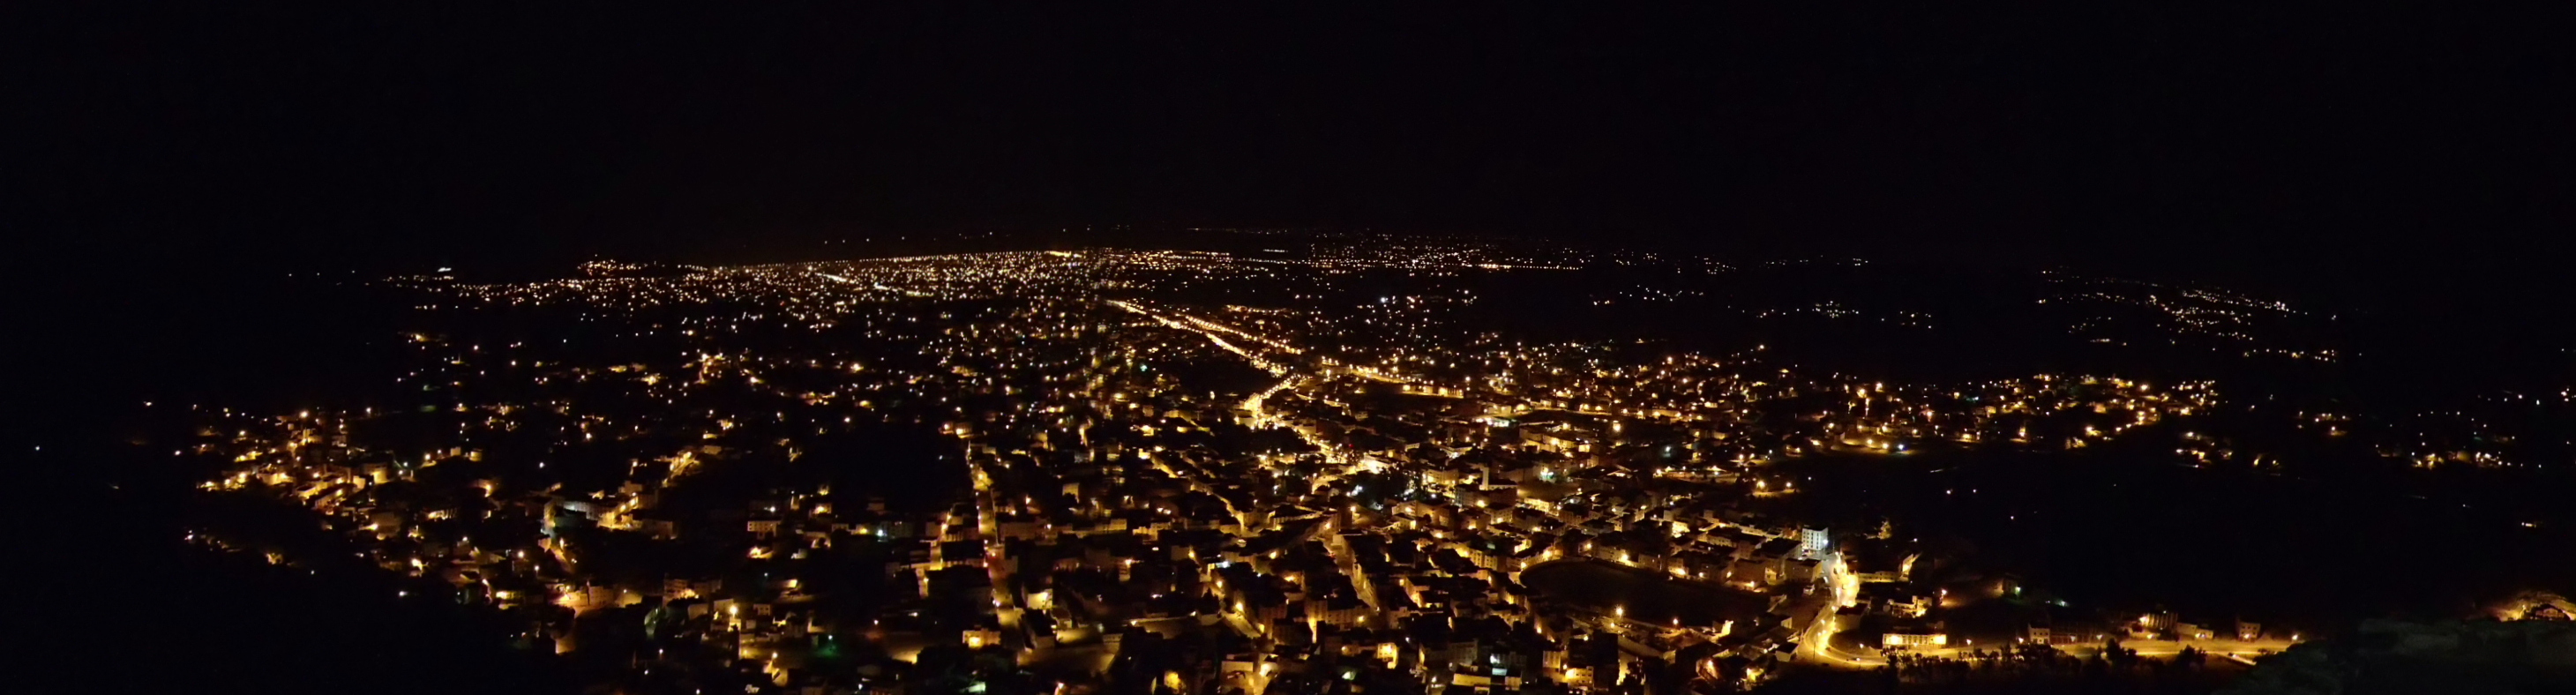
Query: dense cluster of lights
(1282, 445)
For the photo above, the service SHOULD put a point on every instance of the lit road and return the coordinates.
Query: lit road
(1815, 644)
(2216, 647)
(1256, 407)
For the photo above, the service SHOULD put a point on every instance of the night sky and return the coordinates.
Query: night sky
(2227, 141)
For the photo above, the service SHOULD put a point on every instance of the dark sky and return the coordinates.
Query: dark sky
(2236, 142)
